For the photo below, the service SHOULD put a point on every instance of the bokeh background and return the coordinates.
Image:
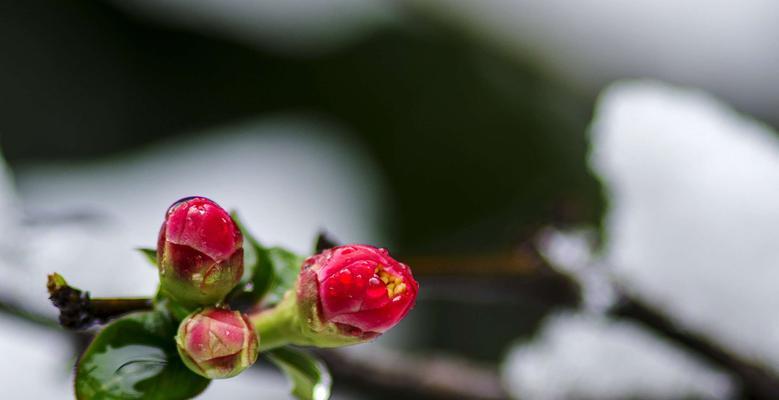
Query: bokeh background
(588, 192)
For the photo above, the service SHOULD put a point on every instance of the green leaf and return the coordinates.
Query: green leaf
(286, 268)
(151, 255)
(270, 272)
(258, 272)
(135, 357)
(263, 273)
(309, 376)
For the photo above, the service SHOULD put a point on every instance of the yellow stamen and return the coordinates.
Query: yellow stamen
(400, 288)
(394, 283)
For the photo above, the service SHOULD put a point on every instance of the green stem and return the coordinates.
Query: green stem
(280, 325)
(290, 322)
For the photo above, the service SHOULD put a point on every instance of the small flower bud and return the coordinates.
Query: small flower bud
(358, 289)
(217, 343)
(199, 252)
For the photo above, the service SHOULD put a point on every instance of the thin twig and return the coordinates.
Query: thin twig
(78, 311)
(756, 382)
(408, 376)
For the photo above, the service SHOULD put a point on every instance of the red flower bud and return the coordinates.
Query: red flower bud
(359, 288)
(199, 252)
(217, 343)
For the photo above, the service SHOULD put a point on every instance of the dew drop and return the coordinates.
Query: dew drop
(376, 289)
(345, 277)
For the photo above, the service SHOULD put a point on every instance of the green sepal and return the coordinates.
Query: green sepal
(149, 254)
(177, 311)
(324, 241)
(291, 322)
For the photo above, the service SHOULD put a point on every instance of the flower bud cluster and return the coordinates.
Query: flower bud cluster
(343, 295)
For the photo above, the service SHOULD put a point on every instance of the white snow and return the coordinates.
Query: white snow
(694, 222)
(572, 252)
(586, 356)
(36, 363)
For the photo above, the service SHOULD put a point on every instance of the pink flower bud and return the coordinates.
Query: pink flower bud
(199, 252)
(359, 288)
(217, 343)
